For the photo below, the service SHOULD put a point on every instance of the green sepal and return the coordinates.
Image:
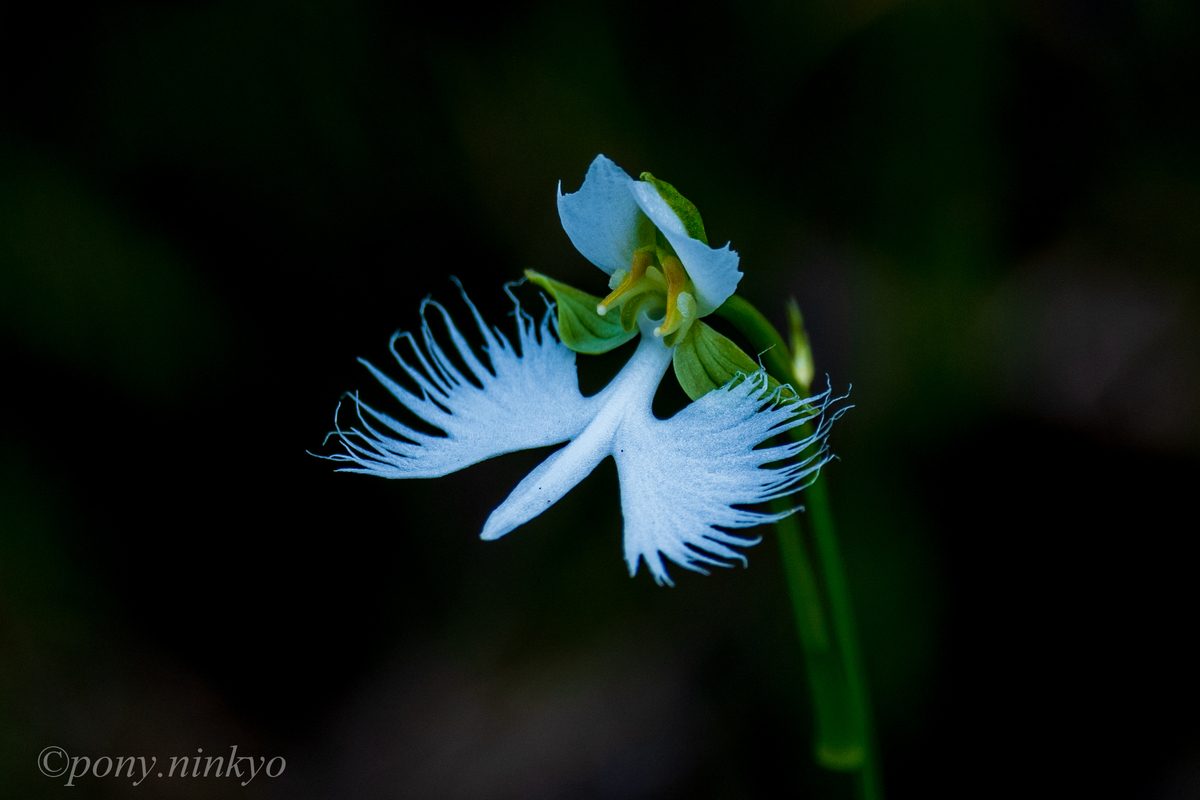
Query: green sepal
(706, 360)
(683, 208)
(579, 326)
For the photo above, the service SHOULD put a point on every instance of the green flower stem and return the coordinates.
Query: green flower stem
(821, 603)
(838, 740)
(846, 635)
(766, 341)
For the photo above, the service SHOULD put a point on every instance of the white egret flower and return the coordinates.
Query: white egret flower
(683, 480)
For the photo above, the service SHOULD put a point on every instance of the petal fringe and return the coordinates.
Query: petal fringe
(509, 399)
(683, 477)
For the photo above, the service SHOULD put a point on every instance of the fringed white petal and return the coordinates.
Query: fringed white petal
(521, 398)
(681, 478)
(602, 219)
(714, 272)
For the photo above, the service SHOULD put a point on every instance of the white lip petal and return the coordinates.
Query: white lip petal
(548, 483)
(714, 272)
(602, 218)
(683, 477)
(515, 402)
(683, 480)
(630, 394)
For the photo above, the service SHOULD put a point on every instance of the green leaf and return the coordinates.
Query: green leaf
(579, 326)
(683, 208)
(706, 360)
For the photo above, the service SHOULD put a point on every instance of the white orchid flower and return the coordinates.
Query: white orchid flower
(682, 479)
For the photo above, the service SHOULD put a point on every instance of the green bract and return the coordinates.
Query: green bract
(802, 357)
(705, 360)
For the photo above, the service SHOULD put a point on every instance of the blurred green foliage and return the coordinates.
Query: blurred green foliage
(988, 212)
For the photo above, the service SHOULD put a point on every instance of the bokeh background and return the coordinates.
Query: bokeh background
(989, 212)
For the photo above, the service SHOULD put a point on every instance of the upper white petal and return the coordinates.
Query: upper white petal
(516, 401)
(603, 221)
(715, 272)
(602, 218)
(681, 478)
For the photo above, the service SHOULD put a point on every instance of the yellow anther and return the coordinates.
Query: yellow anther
(676, 281)
(642, 259)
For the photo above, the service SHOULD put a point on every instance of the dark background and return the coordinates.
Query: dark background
(990, 213)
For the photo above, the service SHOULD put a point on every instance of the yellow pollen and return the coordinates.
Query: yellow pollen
(637, 270)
